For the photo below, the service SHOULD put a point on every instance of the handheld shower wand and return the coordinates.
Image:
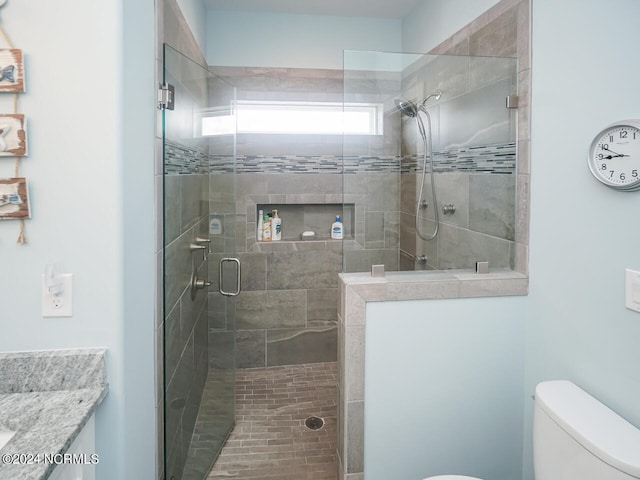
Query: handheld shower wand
(412, 110)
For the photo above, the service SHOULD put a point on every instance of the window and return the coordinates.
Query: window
(296, 118)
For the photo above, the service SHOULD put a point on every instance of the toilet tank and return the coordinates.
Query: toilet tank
(575, 437)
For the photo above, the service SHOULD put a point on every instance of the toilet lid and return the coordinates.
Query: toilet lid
(452, 477)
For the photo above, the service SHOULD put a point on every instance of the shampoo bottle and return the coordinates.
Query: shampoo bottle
(260, 223)
(266, 229)
(337, 231)
(276, 226)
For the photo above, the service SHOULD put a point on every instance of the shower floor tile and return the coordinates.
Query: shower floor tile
(270, 440)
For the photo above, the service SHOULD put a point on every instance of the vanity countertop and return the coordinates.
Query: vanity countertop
(46, 398)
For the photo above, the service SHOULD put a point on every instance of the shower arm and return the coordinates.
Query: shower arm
(437, 94)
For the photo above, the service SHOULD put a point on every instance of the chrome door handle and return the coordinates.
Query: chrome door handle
(238, 276)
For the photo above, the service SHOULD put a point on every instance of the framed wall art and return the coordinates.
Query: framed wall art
(13, 135)
(14, 200)
(11, 70)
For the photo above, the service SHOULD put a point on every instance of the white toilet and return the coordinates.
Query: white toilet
(577, 437)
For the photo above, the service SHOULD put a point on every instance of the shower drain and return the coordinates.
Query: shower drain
(314, 423)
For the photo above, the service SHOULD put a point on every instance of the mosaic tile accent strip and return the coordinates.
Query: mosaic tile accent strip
(183, 160)
(497, 159)
(494, 159)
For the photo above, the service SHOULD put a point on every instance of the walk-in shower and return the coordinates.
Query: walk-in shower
(411, 110)
(458, 130)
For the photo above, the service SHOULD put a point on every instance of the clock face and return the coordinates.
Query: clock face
(614, 156)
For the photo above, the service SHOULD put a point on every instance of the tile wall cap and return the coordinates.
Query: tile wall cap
(398, 286)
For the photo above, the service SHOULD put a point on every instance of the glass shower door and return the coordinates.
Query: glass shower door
(440, 208)
(199, 240)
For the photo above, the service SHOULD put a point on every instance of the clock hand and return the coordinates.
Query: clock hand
(615, 155)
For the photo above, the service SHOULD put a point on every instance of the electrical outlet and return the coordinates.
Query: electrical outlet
(58, 305)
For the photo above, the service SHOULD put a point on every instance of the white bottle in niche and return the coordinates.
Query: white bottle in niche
(259, 227)
(276, 226)
(337, 231)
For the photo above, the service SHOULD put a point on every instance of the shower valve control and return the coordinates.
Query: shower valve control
(197, 284)
(448, 208)
(200, 284)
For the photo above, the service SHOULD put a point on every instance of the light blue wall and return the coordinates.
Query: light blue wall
(443, 388)
(136, 123)
(297, 41)
(90, 111)
(583, 235)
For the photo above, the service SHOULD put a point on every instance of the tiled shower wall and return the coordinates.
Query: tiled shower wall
(474, 146)
(504, 31)
(474, 155)
(287, 311)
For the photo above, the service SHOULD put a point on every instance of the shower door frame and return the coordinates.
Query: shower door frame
(190, 267)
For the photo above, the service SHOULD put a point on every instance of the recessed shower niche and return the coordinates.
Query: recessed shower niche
(314, 217)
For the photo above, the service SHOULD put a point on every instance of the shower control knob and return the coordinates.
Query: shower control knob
(448, 208)
(197, 284)
(201, 284)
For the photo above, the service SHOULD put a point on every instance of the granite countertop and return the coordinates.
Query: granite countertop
(46, 398)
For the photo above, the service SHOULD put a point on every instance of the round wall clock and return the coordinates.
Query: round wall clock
(614, 155)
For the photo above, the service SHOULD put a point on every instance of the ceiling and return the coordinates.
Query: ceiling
(343, 8)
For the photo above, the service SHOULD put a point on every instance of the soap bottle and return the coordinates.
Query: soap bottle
(276, 226)
(260, 224)
(215, 224)
(266, 229)
(337, 231)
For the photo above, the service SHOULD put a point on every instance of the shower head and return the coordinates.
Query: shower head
(410, 109)
(407, 107)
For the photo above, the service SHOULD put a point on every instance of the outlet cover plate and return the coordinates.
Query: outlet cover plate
(61, 305)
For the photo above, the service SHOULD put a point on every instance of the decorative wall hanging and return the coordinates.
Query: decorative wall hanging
(11, 70)
(13, 135)
(14, 200)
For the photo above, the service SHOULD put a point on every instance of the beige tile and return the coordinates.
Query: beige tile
(270, 440)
